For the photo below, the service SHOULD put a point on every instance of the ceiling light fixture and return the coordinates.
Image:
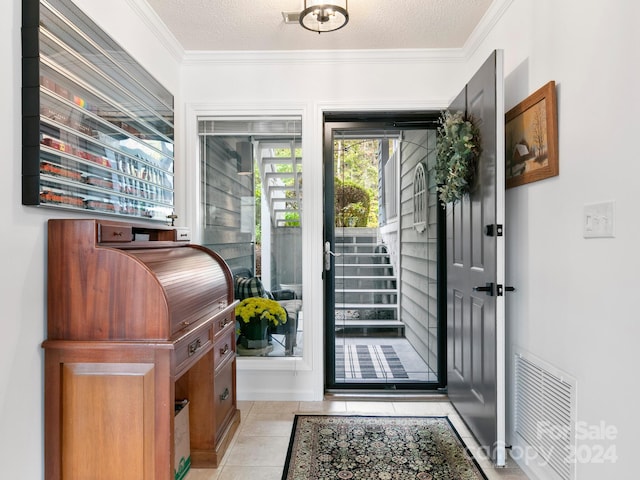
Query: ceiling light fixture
(320, 16)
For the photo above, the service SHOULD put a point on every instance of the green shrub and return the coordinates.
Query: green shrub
(352, 204)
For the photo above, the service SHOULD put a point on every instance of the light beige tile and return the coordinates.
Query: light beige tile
(233, 441)
(510, 472)
(274, 424)
(325, 407)
(421, 408)
(251, 451)
(245, 408)
(370, 408)
(203, 474)
(505, 474)
(486, 464)
(460, 427)
(258, 450)
(250, 473)
(447, 408)
(274, 407)
(495, 475)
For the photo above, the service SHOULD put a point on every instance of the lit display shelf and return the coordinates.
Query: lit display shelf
(98, 129)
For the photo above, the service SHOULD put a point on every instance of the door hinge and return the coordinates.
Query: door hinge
(500, 289)
(493, 230)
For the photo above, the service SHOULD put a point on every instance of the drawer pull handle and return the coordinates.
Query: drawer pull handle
(223, 351)
(194, 346)
(117, 234)
(224, 323)
(224, 395)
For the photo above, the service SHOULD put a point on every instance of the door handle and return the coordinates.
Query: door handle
(488, 288)
(327, 256)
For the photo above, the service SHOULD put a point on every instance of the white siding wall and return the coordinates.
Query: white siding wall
(418, 251)
(223, 192)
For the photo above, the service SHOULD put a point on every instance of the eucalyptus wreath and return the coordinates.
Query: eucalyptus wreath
(458, 150)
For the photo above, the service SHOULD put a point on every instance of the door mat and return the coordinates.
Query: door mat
(368, 362)
(324, 447)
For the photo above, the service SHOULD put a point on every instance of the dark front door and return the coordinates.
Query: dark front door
(369, 345)
(475, 271)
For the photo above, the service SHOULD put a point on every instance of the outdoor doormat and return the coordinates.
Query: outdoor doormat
(354, 362)
(332, 447)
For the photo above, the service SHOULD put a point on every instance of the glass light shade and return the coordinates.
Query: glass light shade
(322, 16)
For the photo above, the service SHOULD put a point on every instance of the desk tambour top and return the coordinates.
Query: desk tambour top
(104, 283)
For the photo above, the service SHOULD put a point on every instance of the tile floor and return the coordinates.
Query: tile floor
(259, 448)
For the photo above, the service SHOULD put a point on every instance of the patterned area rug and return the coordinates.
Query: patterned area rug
(382, 448)
(368, 362)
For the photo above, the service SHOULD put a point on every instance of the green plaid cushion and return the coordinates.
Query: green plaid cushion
(248, 287)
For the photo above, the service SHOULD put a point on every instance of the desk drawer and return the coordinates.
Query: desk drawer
(224, 321)
(224, 395)
(191, 347)
(115, 233)
(224, 348)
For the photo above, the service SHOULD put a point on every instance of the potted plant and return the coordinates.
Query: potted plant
(255, 315)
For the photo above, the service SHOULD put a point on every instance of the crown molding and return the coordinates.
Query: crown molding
(157, 27)
(382, 56)
(485, 25)
(315, 57)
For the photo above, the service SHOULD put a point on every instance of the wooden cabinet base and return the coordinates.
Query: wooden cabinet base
(106, 411)
(109, 411)
(112, 404)
(133, 328)
(211, 459)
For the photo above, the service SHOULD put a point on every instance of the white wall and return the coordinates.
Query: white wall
(574, 307)
(575, 298)
(575, 304)
(306, 84)
(23, 239)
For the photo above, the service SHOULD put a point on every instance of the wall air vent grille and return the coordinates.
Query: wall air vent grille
(545, 416)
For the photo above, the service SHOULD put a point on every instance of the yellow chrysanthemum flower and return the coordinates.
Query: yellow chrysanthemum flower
(258, 307)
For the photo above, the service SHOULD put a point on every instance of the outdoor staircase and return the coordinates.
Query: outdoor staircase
(366, 292)
(281, 182)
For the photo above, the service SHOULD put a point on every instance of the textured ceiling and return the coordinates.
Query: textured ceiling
(373, 24)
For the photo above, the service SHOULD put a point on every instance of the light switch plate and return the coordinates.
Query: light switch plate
(598, 220)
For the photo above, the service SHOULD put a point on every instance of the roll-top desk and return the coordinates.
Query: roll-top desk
(137, 318)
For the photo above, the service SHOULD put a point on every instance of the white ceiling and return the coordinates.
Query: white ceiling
(373, 24)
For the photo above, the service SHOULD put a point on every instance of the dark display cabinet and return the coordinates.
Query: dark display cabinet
(97, 128)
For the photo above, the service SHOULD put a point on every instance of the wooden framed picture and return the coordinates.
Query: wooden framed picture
(531, 136)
